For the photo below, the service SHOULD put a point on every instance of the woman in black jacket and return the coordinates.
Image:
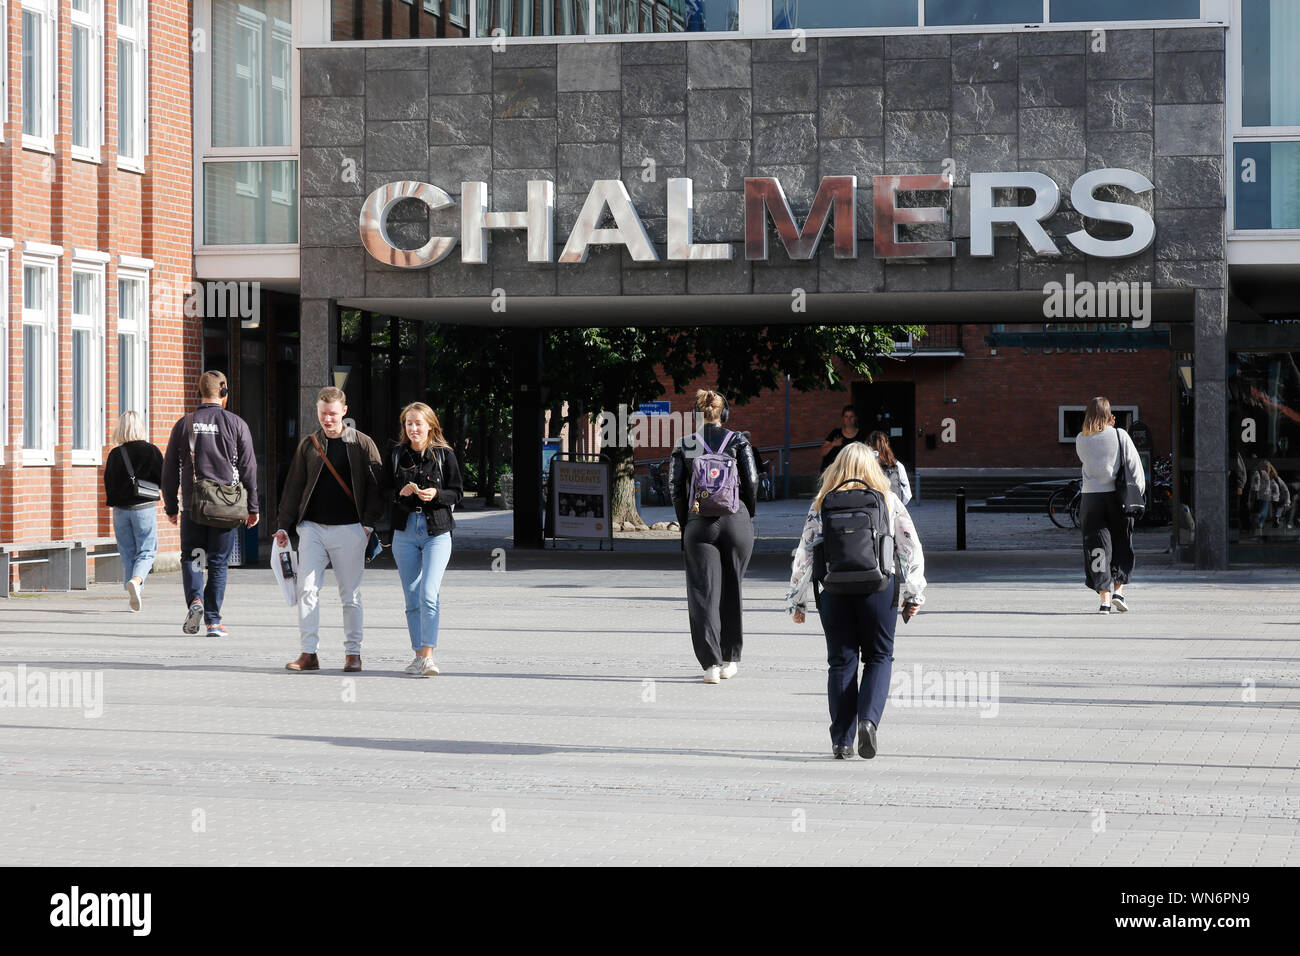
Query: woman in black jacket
(423, 480)
(718, 542)
(135, 519)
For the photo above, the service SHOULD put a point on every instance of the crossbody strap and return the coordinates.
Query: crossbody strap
(333, 471)
(126, 459)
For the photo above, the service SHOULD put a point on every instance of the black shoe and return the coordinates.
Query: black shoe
(843, 752)
(1117, 603)
(866, 740)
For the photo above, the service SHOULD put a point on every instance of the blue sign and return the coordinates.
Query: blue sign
(654, 409)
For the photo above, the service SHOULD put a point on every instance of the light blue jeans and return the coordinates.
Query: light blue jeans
(137, 541)
(421, 561)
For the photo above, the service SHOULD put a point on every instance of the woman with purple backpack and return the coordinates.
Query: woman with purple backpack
(714, 486)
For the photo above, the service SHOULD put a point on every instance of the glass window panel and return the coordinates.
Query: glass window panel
(126, 99)
(391, 20)
(667, 16)
(81, 6)
(33, 288)
(252, 72)
(81, 389)
(516, 17)
(80, 86)
(33, 93)
(125, 12)
(83, 294)
(1071, 11)
(966, 12)
(822, 14)
(1270, 35)
(250, 203)
(33, 362)
(126, 371)
(1267, 186)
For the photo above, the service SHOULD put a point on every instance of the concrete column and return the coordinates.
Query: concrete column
(317, 334)
(526, 418)
(1209, 378)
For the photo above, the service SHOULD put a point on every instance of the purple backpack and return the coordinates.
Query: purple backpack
(715, 485)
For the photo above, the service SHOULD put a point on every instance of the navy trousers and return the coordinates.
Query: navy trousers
(858, 627)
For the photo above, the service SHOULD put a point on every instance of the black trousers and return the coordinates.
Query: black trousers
(858, 627)
(717, 554)
(1107, 541)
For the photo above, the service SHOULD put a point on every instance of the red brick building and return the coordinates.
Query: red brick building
(96, 250)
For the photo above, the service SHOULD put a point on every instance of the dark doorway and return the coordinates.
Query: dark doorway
(889, 407)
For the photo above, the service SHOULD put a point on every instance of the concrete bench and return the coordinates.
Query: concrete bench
(103, 551)
(41, 565)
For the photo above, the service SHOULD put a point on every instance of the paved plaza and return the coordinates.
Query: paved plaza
(569, 725)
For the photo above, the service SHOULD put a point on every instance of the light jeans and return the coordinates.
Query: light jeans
(421, 561)
(136, 531)
(344, 547)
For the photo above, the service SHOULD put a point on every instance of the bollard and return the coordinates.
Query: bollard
(961, 518)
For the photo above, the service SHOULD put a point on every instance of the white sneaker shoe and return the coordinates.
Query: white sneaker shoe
(729, 670)
(712, 674)
(133, 593)
(415, 666)
(427, 667)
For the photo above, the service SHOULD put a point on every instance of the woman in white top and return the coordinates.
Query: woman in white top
(1107, 531)
(891, 466)
(859, 626)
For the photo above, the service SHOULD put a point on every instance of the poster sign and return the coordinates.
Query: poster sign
(580, 499)
(655, 409)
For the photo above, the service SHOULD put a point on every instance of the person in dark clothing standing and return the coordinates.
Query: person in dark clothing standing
(332, 498)
(222, 452)
(846, 434)
(717, 546)
(135, 519)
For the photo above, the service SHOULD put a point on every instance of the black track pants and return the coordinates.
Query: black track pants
(717, 554)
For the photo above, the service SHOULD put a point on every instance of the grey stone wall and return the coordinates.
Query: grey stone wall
(720, 111)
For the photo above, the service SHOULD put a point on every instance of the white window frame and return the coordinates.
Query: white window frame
(93, 22)
(47, 10)
(1065, 439)
(46, 258)
(91, 263)
(5, 246)
(4, 87)
(131, 269)
(136, 34)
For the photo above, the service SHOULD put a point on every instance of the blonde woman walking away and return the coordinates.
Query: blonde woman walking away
(132, 477)
(1107, 530)
(863, 579)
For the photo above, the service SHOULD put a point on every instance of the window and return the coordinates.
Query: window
(972, 12)
(40, 91)
(1069, 419)
(40, 317)
(132, 83)
(250, 203)
(1266, 186)
(87, 361)
(87, 78)
(132, 343)
(1073, 11)
(821, 14)
(1270, 86)
(5, 246)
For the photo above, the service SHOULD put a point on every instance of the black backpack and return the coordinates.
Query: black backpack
(856, 554)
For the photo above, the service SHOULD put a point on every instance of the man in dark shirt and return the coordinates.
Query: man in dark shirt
(332, 497)
(223, 452)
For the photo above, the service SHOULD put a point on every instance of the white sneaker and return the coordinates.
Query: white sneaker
(415, 666)
(712, 674)
(729, 670)
(133, 593)
(427, 667)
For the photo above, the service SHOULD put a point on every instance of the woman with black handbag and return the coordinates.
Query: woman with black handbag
(132, 475)
(1113, 490)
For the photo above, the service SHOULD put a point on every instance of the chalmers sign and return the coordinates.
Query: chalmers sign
(764, 199)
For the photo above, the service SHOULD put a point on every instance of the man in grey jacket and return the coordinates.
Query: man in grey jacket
(332, 498)
(223, 452)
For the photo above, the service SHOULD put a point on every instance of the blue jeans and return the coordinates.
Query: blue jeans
(858, 626)
(136, 531)
(421, 561)
(216, 543)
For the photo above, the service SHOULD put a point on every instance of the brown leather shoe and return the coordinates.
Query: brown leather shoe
(305, 662)
(352, 662)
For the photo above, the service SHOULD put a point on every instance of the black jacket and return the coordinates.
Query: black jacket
(147, 461)
(434, 468)
(307, 468)
(738, 448)
(224, 449)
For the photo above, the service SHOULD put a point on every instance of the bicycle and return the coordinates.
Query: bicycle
(1064, 505)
